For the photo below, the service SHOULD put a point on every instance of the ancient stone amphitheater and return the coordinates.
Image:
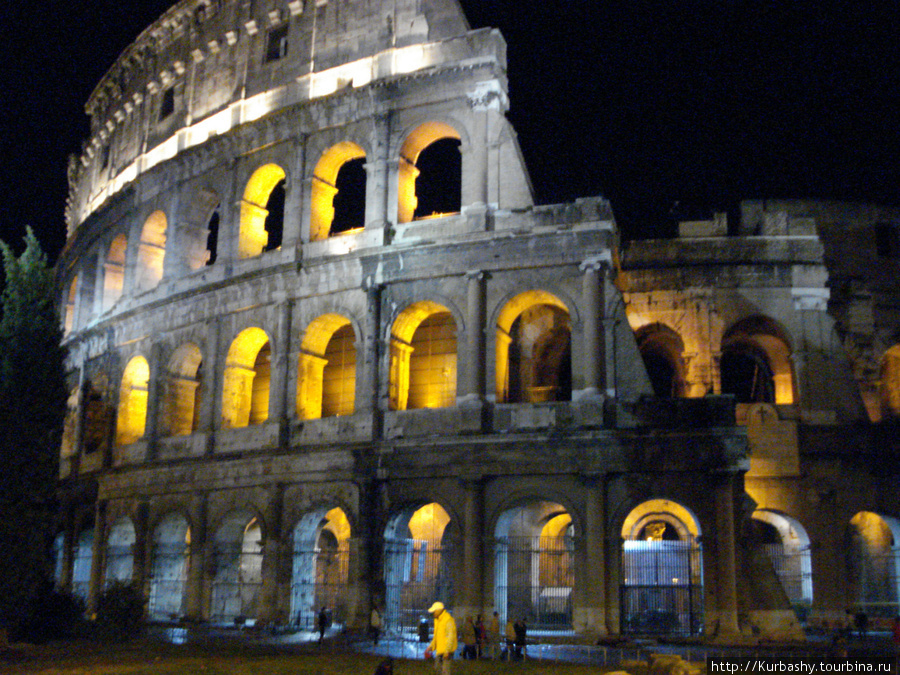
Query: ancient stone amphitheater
(325, 350)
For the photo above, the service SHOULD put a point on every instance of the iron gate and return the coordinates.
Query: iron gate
(416, 573)
(119, 564)
(167, 576)
(319, 579)
(662, 588)
(534, 580)
(793, 570)
(238, 578)
(873, 575)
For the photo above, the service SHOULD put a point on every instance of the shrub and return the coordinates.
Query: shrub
(53, 615)
(120, 612)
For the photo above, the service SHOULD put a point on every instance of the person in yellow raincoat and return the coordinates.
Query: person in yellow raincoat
(443, 646)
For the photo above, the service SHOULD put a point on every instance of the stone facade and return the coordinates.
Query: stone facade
(293, 388)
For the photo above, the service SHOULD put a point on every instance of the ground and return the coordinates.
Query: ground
(154, 658)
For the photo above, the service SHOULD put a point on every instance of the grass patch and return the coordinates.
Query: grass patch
(154, 658)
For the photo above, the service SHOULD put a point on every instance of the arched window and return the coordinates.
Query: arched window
(212, 237)
(755, 365)
(114, 271)
(245, 398)
(327, 378)
(320, 565)
(423, 358)
(429, 181)
(874, 572)
(262, 211)
(787, 546)
(151, 252)
(132, 413)
(889, 382)
(168, 567)
(534, 361)
(120, 552)
(182, 391)
(71, 295)
(338, 192)
(237, 551)
(661, 350)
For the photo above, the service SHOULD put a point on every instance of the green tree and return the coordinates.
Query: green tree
(32, 409)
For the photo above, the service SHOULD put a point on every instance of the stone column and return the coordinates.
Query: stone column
(140, 549)
(273, 550)
(196, 576)
(377, 176)
(608, 295)
(474, 384)
(366, 573)
(65, 578)
(368, 385)
(613, 581)
(473, 549)
(278, 409)
(592, 619)
(294, 197)
(726, 583)
(154, 396)
(211, 376)
(594, 310)
(98, 557)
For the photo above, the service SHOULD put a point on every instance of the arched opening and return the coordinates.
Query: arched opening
(71, 295)
(82, 557)
(662, 570)
(423, 358)
(338, 192)
(661, 350)
(534, 359)
(245, 399)
(170, 543)
(151, 252)
(212, 237)
(873, 561)
(131, 418)
(889, 382)
(417, 565)
(114, 271)
(59, 545)
(534, 573)
(262, 211)
(97, 414)
(755, 365)
(120, 552)
(320, 570)
(429, 182)
(327, 377)
(67, 448)
(787, 546)
(237, 555)
(182, 391)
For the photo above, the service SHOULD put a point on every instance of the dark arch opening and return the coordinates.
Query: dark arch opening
(662, 374)
(439, 184)
(275, 220)
(350, 200)
(747, 375)
(212, 237)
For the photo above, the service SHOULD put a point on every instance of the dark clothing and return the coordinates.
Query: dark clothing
(386, 667)
(322, 623)
(520, 631)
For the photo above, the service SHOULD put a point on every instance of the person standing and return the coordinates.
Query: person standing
(322, 623)
(493, 636)
(443, 645)
(375, 624)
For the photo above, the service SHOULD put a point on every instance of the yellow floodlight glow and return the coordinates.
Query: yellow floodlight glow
(131, 419)
(253, 236)
(244, 385)
(324, 189)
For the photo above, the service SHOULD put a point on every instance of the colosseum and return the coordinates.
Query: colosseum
(325, 350)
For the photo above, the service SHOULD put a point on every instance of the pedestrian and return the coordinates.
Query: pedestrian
(510, 640)
(424, 631)
(861, 621)
(469, 639)
(322, 623)
(443, 646)
(386, 667)
(493, 636)
(480, 636)
(520, 630)
(375, 624)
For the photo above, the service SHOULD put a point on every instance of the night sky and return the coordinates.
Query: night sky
(646, 103)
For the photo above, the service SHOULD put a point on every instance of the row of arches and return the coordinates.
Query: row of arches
(429, 185)
(533, 364)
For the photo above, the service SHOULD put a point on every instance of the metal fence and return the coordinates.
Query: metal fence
(662, 589)
(167, 577)
(794, 571)
(873, 576)
(237, 582)
(416, 574)
(534, 580)
(319, 580)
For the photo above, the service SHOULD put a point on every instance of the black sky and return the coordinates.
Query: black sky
(645, 102)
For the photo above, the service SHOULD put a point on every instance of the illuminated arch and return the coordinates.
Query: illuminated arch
(320, 568)
(889, 382)
(417, 563)
(71, 296)
(420, 138)
(181, 397)
(170, 548)
(533, 349)
(423, 358)
(120, 551)
(325, 188)
(534, 564)
(131, 418)
(327, 368)
(662, 569)
(237, 551)
(756, 362)
(151, 252)
(245, 397)
(114, 271)
(661, 350)
(874, 562)
(253, 238)
(789, 552)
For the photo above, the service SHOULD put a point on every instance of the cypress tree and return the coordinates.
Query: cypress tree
(32, 409)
